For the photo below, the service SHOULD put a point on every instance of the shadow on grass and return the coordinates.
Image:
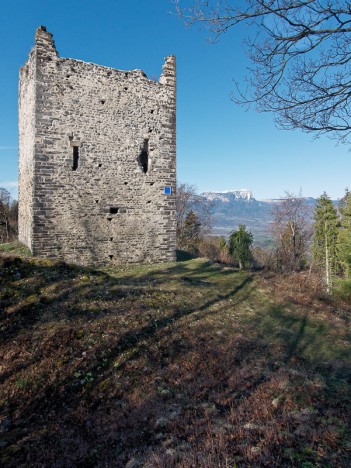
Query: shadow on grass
(68, 295)
(32, 292)
(104, 366)
(306, 339)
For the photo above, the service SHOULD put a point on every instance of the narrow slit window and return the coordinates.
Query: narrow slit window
(144, 157)
(75, 158)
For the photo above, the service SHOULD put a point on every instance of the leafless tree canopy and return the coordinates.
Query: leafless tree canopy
(187, 200)
(8, 216)
(291, 232)
(300, 52)
(4, 214)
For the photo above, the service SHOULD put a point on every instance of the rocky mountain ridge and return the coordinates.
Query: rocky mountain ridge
(234, 207)
(229, 195)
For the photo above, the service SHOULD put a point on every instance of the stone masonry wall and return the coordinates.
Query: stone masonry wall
(101, 155)
(26, 136)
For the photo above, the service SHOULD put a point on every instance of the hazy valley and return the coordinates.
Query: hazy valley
(236, 207)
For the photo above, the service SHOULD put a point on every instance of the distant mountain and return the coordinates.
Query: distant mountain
(229, 195)
(235, 207)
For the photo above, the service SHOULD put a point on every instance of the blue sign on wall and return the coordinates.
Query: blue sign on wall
(168, 190)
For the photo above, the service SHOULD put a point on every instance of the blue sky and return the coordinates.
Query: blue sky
(219, 145)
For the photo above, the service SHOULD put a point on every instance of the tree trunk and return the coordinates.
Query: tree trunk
(327, 277)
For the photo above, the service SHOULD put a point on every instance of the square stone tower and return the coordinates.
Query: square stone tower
(97, 160)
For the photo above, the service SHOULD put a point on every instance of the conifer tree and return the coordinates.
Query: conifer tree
(344, 235)
(192, 233)
(240, 243)
(222, 243)
(223, 250)
(325, 238)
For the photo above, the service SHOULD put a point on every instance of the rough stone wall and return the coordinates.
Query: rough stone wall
(104, 150)
(26, 130)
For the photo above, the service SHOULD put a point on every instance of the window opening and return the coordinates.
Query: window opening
(111, 257)
(111, 238)
(144, 157)
(75, 158)
(109, 219)
(113, 210)
(100, 165)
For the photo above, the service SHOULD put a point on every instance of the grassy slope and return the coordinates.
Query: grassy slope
(186, 364)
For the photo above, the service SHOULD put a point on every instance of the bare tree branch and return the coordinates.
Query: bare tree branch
(291, 231)
(300, 52)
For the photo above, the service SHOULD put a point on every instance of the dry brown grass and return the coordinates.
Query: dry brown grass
(181, 365)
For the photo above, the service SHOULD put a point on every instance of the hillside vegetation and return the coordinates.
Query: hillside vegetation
(182, 364)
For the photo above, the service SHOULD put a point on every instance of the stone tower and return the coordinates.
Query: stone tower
(97, 160)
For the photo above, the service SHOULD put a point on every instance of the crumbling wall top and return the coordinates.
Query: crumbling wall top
(168, 76)
(44, 42)
(45, 46)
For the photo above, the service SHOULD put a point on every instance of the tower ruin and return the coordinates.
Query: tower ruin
(97, 160)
